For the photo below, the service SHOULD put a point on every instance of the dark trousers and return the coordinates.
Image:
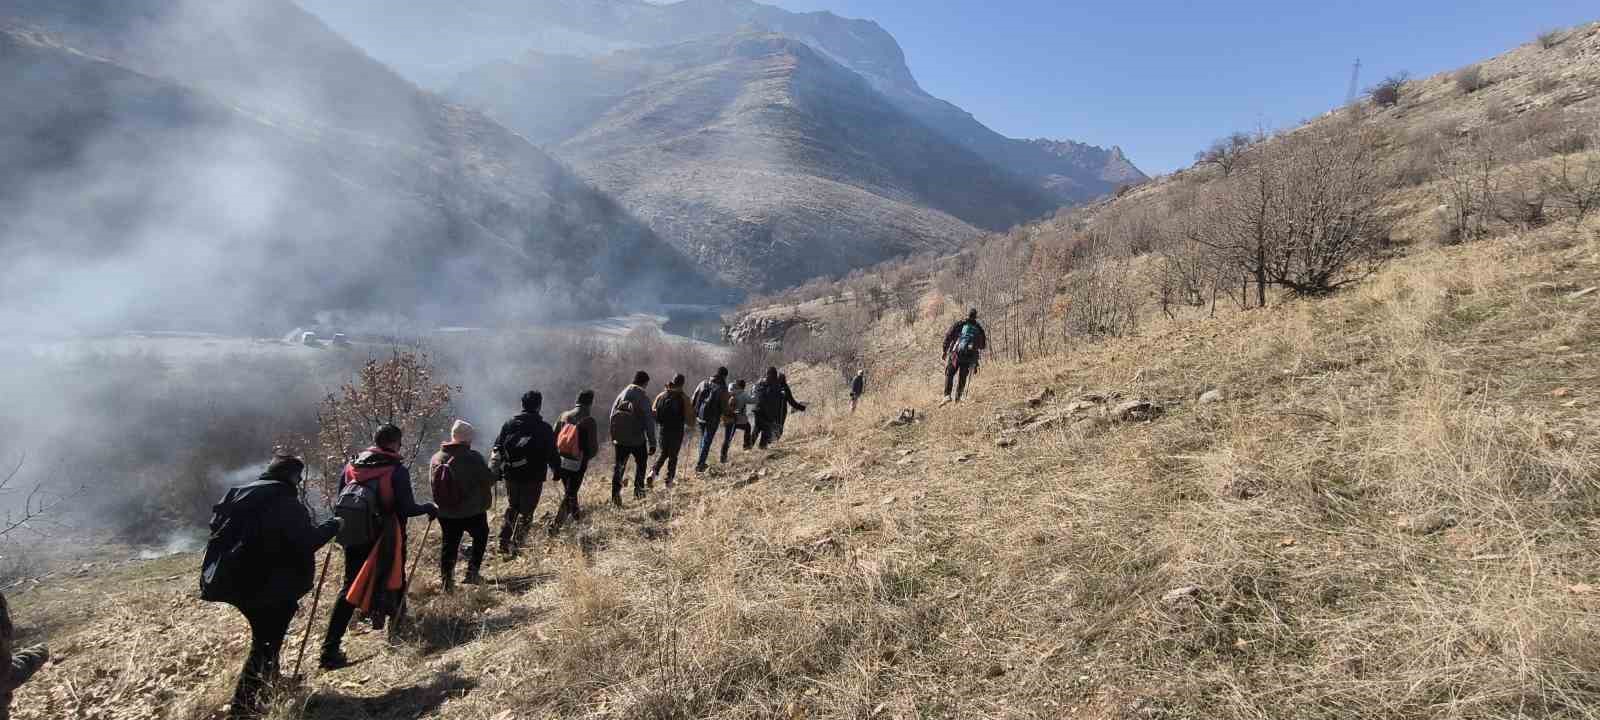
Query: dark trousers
(951, 372)
(708, 435)
(571, 484)
(619, 469)
(671, 445)
(450, 531)
(766, 432)
(522, 499)
(727, 437)
(853, 400)
(343, 611)
(268, 627)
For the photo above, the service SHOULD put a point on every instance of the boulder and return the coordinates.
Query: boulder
(1177, 594)
(1044, 396)
(1212, 396)
(1137, 411)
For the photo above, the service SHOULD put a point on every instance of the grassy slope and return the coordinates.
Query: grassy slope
(1392, 514)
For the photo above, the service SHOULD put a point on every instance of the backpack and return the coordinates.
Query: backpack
(360, 508)
(706, 408)
(625, 422)
(517, 445)
(670, 410)
(966, 346)
(230, 572)
(447, 491)
(569, 442)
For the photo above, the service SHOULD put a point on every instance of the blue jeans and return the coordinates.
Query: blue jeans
(708, 435)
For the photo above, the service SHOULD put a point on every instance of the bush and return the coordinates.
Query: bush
(1470, 80)
(1388, 93)
(1551, 38)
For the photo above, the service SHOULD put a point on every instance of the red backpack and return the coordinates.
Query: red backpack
(446, 491)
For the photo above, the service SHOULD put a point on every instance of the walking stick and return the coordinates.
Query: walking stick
(322, 579)
(405, 587)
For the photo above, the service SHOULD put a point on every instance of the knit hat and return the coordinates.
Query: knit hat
(461, 432)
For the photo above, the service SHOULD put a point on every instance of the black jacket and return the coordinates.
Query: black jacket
(539, 456)
(771, 404)
(951, 337)
(287, 540)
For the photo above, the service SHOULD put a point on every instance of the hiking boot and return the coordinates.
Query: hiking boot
(638, 493)
(472, 578)
(669, 482)
(333, 660)
(448, 586)
(650, 480)
(701, 468)
(616, 499)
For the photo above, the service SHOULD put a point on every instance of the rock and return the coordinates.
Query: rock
(1078, 406)
(889, 500)
(1177, 594)
(747, 482)
(1137, 411)
(823, 478)
(1044, 396)
(994, 671)
(1561, 392)
(1005, 442)
(1212, 396)
(1428, 524)
(1583, 293)
(906, 417)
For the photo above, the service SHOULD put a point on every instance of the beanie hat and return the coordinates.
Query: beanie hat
(461, 432)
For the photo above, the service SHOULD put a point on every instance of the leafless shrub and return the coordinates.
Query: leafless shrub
(1470, 79)
(1467, 189)
(1102, 300)
(1389, 92)
(1551, 38)
(1573, 184)
(1547, 83)
(402, 391)
(1522, 199)
(1497, 111)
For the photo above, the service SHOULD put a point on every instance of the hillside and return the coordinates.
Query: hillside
(1379, 500)
(760, 157)
(216, 136)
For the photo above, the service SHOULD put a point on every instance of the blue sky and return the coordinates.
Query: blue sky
(1162, 78)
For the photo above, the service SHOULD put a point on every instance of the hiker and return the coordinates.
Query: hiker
(736, 417)
(962, 347)
(463, 486)
(375, 501)
(858, 387)
(526, 449)
(262, 559)
(770, 406)
(633, 435)
(674, 414)
(788, 402)
(710, 398)
(577, 442)
(18, 668)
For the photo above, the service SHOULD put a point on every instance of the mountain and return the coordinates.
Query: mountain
(523, 61)
(236, 162)
(756, 154)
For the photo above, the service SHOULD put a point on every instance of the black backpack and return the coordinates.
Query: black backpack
(230, 572)
(707, 408)
(518, 444)
(360, 509)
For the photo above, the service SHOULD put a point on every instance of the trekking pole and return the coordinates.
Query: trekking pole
(405, 587)
(322, 579)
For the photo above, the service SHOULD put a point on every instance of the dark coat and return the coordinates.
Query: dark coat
(288, 540)
(471, 473)
(530, 463)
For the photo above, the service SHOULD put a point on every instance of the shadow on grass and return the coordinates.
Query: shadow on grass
(521, 583)
(433, 630)
(408, 701)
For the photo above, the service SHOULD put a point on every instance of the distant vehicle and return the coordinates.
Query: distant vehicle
(309, 339)
(340, 340)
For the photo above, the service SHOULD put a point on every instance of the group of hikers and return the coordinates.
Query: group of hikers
(261, 556)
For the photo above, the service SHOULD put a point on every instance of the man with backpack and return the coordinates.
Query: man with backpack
(674, 414)
(375, 501)
(963, 345)
(262, 558)
(736, 418)
(788, 402)
(577, 442)
(858, 387)
(769, 403)
(463, 487)
(710, 399)
(633, 435)
(526, 449)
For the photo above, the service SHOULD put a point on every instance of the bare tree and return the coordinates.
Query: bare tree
(1389, 92)
(1331, 232)
(1470, 80)
(1467, 188)
(399, 391)
(1573, 184)
(1226, 153)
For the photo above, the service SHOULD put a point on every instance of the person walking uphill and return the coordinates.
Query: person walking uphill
(463, 487)
(769, 402)
(375, 501)
(526, 448)
(633, 435)
(858, 387)
(735, 418)
(577, 442)
(963, 345)
(674, 415)
(15, 668)
(262, 559)
(710, 398)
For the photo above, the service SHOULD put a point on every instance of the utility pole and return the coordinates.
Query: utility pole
(1355, 81)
